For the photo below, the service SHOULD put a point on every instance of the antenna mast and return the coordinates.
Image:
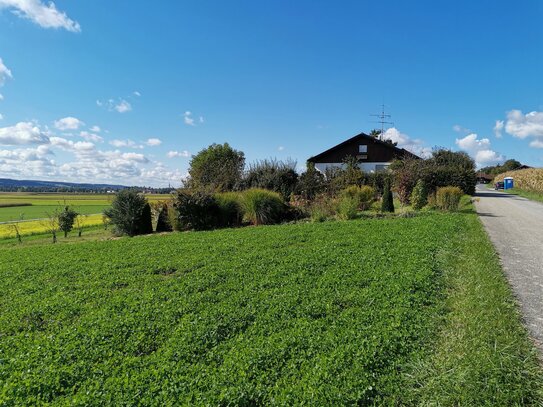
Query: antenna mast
(382, 120)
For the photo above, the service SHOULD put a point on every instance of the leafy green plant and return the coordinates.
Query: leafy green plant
(126, 212)
(197, 209)
(263, 207)
(66, 219)
(419, 196)
(387, 203)
(274, 175)
(230, 208)
(348, 207)
(364, 195)
(448, 198)
(323, 207)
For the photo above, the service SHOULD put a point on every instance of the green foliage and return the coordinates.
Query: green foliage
(387, 203)
(262, 207)
(419, 196)
(273, 175)
(444, 168)
(509, 165)
(145, 223)
(323, 207)
(348, 207)
(231, 208)
(127, 211)
(311, 182)
(364, 195)
(337, 179)
(197, 210)
(161, 217)
(217, 168)
(230, 317)
(448, 198)
(66, 219)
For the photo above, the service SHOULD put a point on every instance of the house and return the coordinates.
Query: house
(372, 154)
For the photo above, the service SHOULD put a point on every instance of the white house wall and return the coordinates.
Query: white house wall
(365, 167)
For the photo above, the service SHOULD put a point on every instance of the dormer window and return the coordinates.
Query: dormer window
(362, 148)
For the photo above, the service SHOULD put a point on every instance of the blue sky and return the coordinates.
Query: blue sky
(100, 90)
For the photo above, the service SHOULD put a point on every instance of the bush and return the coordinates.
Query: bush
(322, 208)
(161, 218)
(419, 196)
(387, 204)
(66, 219)
(145, 225)
(263, 207)
(448, 198)
(365, 195)
(230, 208)
(272, 175)
(348, 206)
(311, 182)
(198, 210)
(126, 212)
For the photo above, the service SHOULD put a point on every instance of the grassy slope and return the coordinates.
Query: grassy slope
(332, 313)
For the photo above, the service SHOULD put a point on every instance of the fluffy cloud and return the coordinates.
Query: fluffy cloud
(136, 93)
(68, 123)
(188, 119)
(479, 149)
(123, 106)
(461, 129)
(23, 133)
(498, 128)
(5, 73)
(153, 142)
(173, 154)
(125, 143)
(91, 137)
(45, 15)
(69, 145)
(29, 162)
(524, 125)
(95, 129)
(416, 146)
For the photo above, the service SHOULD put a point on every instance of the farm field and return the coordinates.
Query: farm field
(41, 204)
(381, 311)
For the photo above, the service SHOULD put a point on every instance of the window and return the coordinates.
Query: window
(381, 167)
(362, 148)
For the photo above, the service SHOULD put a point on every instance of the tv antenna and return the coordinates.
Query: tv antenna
(383, 117)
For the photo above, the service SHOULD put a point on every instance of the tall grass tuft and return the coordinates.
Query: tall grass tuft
(263, 207)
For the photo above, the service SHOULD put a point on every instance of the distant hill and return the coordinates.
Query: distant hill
(7, 184)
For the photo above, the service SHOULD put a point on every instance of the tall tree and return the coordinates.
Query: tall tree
(218, 168)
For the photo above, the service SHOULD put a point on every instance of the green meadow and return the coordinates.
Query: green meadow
(395, 311)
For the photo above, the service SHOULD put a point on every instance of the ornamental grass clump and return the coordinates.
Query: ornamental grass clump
(230, 208)
(448, 198)
(263, 207)
(364, 195)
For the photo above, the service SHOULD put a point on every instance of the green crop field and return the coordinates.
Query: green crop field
(382, 311)
(42, 204)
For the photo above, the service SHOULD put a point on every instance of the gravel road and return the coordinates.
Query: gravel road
(515, 226)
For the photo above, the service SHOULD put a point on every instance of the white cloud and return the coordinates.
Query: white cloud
(416, 146)
(524, 125)
(23, 133)
(201, 119)
(69, 145)
(480, 150)
(136, 93)
(173, 154)
(30, 162)
(91, 137)
(1, 97)
(498, 128)
(461, 129)
(280, 148)
(45, 15)
(95, 129)
(187, 116)
(99, 103)
(123, 106)
(68, 123)
(5, 73)
(1, 116)
(537, 143)
(125, 143)
(153, 142)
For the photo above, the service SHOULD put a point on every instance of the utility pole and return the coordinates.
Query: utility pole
(383, 117)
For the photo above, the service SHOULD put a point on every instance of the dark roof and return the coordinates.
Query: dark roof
(363, 136)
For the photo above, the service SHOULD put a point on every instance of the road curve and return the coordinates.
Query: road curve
(515, 227)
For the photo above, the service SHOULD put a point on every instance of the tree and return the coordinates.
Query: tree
(311, 182)
(450, 168)
(127, 211)
(50, 224)
(218, 167)
(387, 204)
(419, 196)
(66, 219)
(79, 223)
